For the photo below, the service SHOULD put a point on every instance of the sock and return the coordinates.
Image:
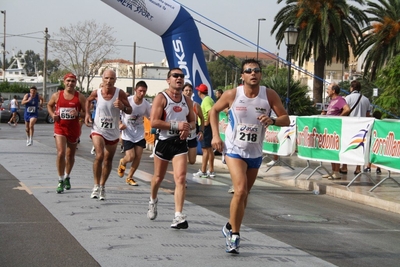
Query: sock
(152, 201)
(228, 226)
(60, 178)
(66, 175)
(178, 213)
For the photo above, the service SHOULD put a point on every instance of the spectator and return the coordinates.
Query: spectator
(359, 107)
(377, 115)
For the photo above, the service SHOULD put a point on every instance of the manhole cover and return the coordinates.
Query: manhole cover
(302, 218)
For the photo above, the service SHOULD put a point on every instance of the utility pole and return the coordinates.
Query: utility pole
(4, 46)
(46, 37)
(134, 68)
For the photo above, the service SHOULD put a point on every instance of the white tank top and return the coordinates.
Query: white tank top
(134, 122)
(106, 120)
(13, 103)
(245, 134)
(173, 111)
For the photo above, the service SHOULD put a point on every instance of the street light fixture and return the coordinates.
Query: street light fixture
(258, 34)
(4, 46)
(290, 34)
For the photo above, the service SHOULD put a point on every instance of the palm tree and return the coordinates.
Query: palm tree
(381, 36)
(326, 29)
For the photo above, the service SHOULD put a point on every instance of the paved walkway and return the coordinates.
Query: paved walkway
(115, 232)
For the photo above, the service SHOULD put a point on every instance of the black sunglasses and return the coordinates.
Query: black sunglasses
(176, 75)
(250, 70)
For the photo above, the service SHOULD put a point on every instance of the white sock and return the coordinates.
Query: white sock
(178, 213)
(153, 200)
(66, 175)
(60, 178)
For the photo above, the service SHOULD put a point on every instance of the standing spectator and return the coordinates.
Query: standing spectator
(359, 107)
(337, 107)
(32, 102)
(132, 132)
(197, 132)
(208, 153)
(249, 111)
(105, 130)
(218, 94)
(13, 106)
(172, 114)
(66, 107)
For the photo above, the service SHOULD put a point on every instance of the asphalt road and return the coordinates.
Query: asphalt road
(338, 231)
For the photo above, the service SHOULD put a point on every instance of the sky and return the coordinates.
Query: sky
(26, 21)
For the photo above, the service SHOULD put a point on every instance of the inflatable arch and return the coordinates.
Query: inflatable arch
(178, 31)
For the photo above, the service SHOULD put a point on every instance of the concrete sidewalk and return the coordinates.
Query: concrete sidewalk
(79, 231)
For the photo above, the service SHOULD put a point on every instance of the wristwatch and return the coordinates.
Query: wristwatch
(273, 121)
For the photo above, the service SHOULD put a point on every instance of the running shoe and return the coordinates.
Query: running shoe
(179, 222)
(233, 244)
(131, 181)
(211, 174)
(95, 192)
(60, 187)
(231, 190)
(378, 170)
(225, 231)
(271, 163)
(102, 195)
(92, 151)
(9, 123)
(121, 169)
(152, 212)
(200, 174)
(67, 183)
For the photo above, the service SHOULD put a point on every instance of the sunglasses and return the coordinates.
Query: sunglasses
(250, 70)
(176, 75)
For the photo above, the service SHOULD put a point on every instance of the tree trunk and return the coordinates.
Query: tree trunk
(318, 85)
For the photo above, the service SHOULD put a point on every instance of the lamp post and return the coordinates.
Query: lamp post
(46, 38)
(4, 46)
(290, 34)
(258, 33)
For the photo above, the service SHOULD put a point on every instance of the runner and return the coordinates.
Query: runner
(66, 107)
(32, 102)
(132, 127)
(105, 130)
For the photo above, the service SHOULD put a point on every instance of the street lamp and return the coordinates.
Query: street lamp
(258, 33)
(4, 46)
(290, 34)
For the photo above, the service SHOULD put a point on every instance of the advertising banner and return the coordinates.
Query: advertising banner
(334, 139)
(281, 141)
(385, 144)
(179, 34)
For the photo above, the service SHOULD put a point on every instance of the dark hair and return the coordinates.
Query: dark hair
(251, 61)
(169, 72)
(59, 88)
(187, 85)
(356, 85)
(33, 87)
(377, 114)
(336, 88)
(141, 84)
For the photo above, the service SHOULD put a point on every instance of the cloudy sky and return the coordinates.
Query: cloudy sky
(26, 21)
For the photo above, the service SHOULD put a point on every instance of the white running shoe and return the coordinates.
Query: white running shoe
(179, 222)
(102, 195)
(272, 162)
(231, 190)
(92, 151)
(95, 192)
(200, 174)
(211, 174)
(152, 211)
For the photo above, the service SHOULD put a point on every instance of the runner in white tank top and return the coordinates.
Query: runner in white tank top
(105, 128)
(249, 108)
